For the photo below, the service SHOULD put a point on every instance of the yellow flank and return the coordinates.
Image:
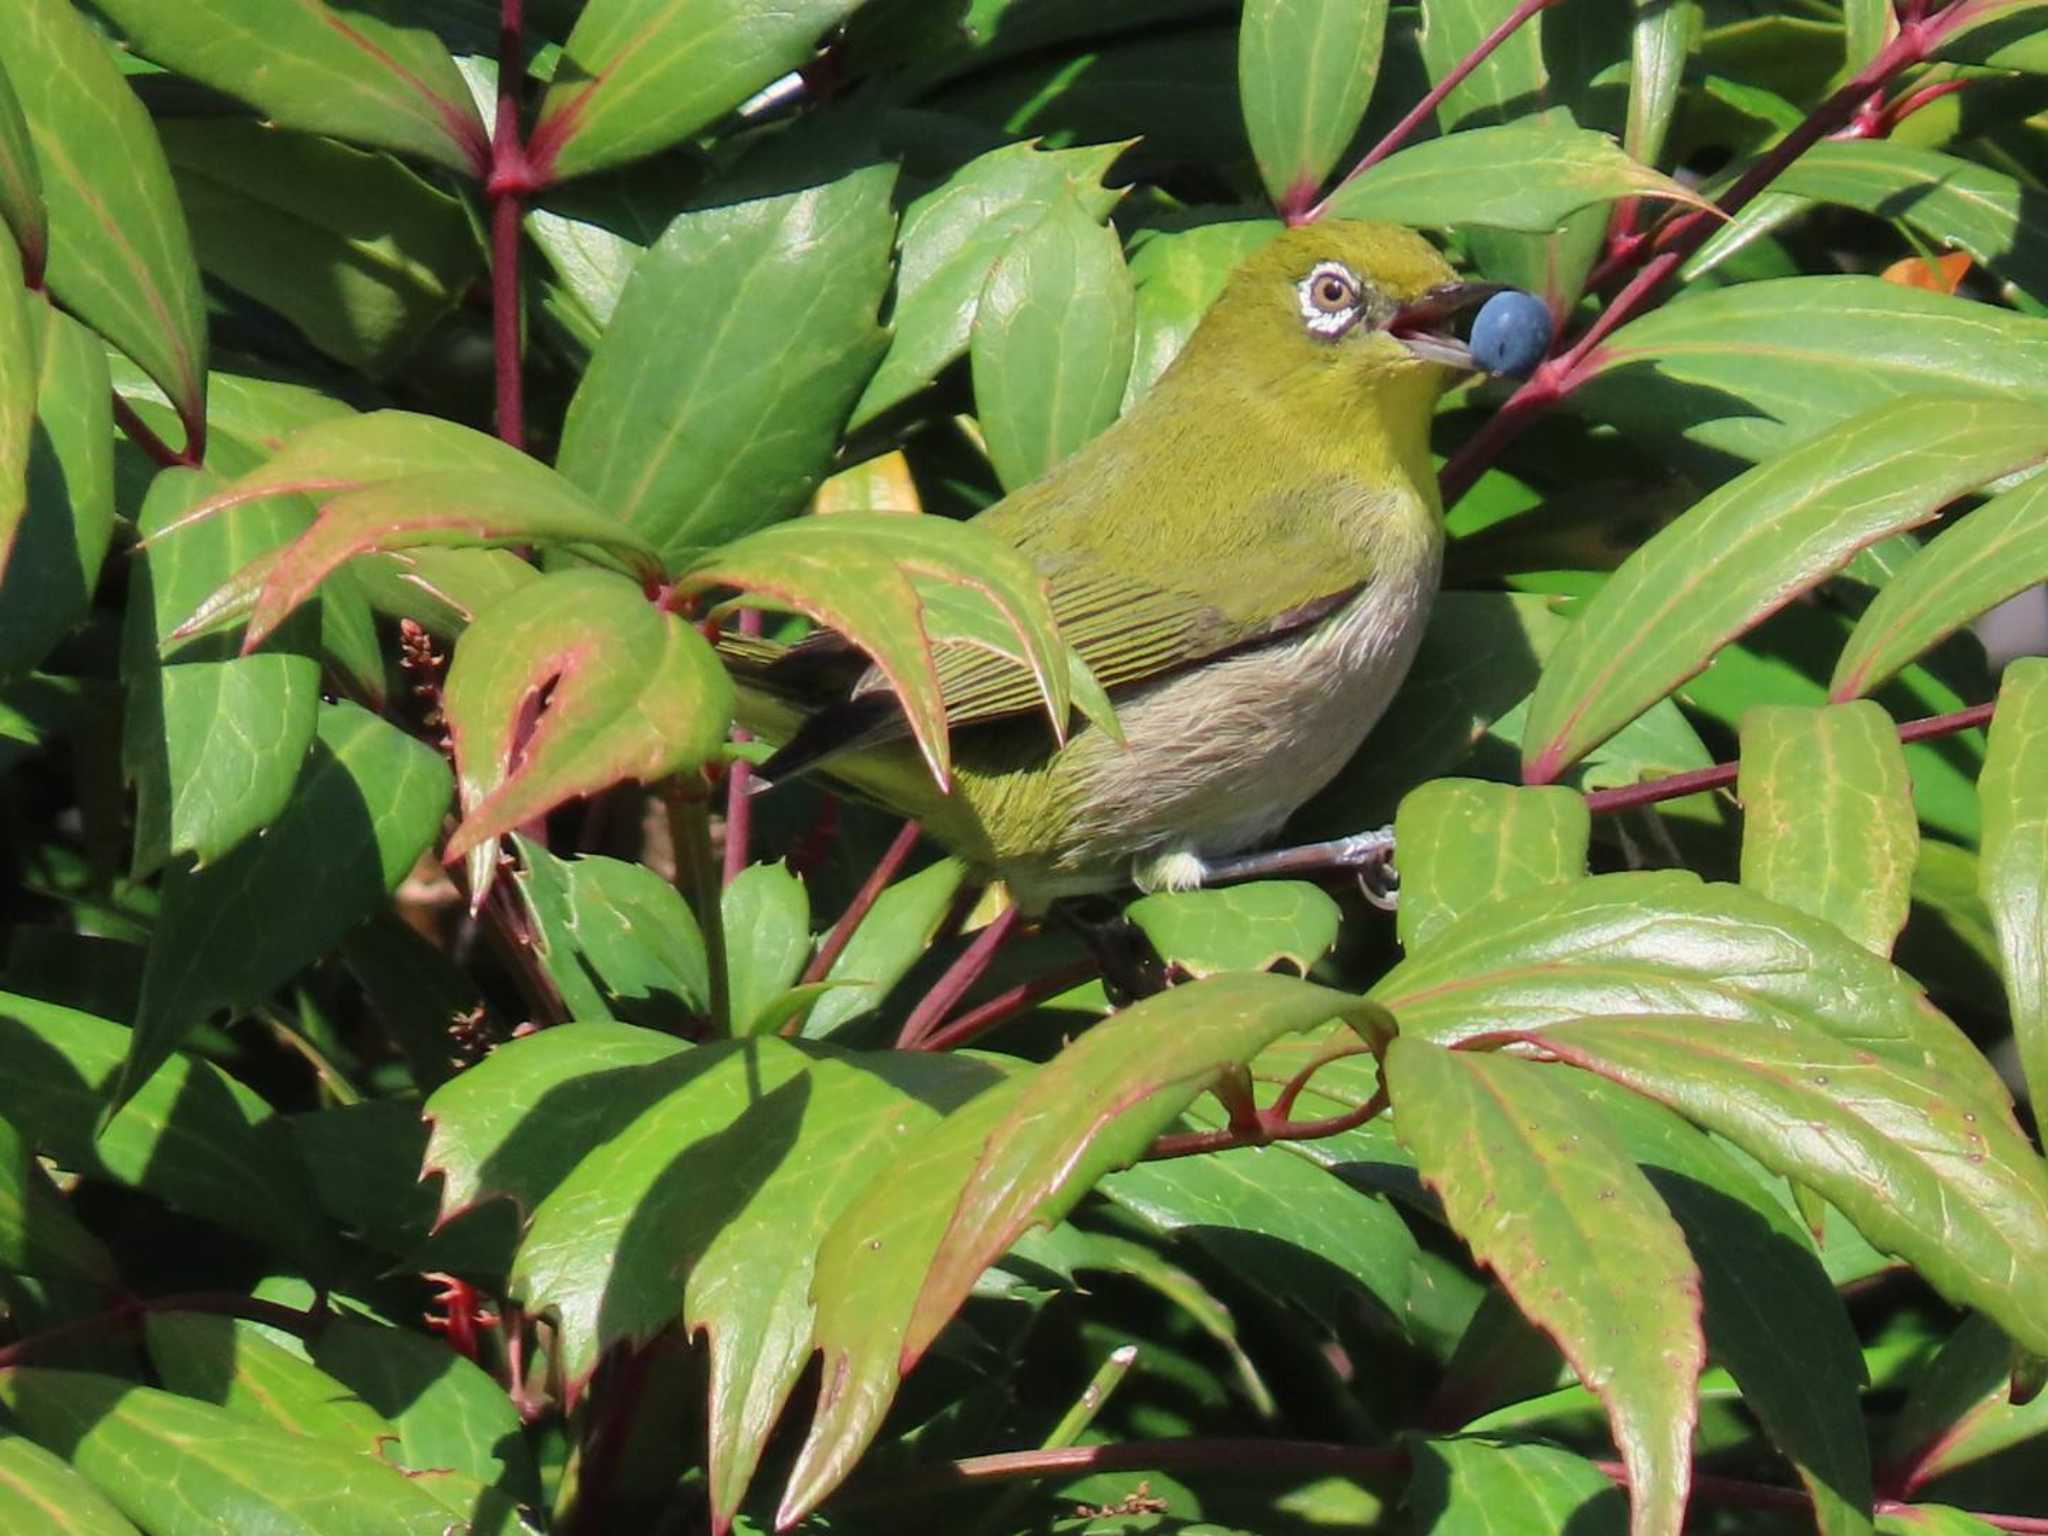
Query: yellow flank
(1246, 560)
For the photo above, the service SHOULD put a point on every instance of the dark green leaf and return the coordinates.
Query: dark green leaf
(1471, 1486)
(714, 403)
(367, 804)
(1551, 1202)
(1239, 928)
(308, 65)
(119, 255)
(1463, 843)
(39, 1234)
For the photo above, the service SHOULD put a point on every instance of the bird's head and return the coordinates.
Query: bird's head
(1364, 307)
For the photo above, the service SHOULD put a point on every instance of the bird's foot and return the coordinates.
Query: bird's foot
(1369, 855)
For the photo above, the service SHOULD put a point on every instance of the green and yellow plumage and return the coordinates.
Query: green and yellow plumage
(1245, 561)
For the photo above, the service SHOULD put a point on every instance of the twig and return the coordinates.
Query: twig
(1397, 135)
(878, 880)
(160, 453)
(963, 973)
(1265, 1127)
(509, 184)
(1007, 1005)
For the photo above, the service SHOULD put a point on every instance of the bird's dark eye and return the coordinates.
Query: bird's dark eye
(1331, 299)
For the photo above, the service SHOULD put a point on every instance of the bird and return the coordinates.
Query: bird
(1246, 561)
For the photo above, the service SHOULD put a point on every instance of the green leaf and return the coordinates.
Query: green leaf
(191, 1136)
(2013, 875)
(635, 694)
(210, 1469)
(1277, 1221)
(1754, 544)
(1932, 1520)
(1550, 1201)
(441, 590)
(1752, 369)
(1051, 342)
(1771, 1312)
(713, 404)
(893, 936)
(1177, 275)
(18, 385)
(1870, 24)
(617, 940)
(898, 1263)
(211, 741)
(1463, 843)
(1660, 44)
(39, 1234)
(518, 1121)
(639, 75)
(853, 572)
(21, 183)
(1665, 942)
(119, 256)
(447, 1411)
(952, 236)
(358, 252)
(40, 1492)
(1927, 1172)
(1240, 927)
(1827, 817)
(1970, 567)
(1957, 202)
(1305, 71)
(1468, 1485)
(238, 1366)
(1502, 83)
(1960, 1409)
(366, 805)
(1530, 175)
(767, 919)
(305, 64)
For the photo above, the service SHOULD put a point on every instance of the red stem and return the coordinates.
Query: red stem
(1397, 135)
(963, 973)
(1266, 1127)
(1005, 1006)
(1628, 796)
(510, 181)
(1557, 378)
(877, 881)
(161, 453)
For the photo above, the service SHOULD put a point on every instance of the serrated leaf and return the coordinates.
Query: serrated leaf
(1995, 552)
(212, 741)
(1463, 843)
(518, 1121)
(766, 914)
(1754, 544)
(2013, 874)
(901, 1259)
(639, 75)
(1305, 71)
(617, 939)
(1666, 942)
(1827, 817)
(366, 805)
(1528, 1179)
(1240, 927)
(119, 255)
(1529, 175)
(364, 291)
(1925, 1171)
(1051, 342)
(714, 402)
(637, 1235)
(215, 1470)
(854, 572)
(308, 65)
(632, 692)
(191, 1136)
(951, 237)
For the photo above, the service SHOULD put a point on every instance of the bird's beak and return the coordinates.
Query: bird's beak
(1424, 326)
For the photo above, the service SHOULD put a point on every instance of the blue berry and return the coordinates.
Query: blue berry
(1511, 333)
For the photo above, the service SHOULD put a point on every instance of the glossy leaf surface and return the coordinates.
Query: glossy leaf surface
(2013, 876)
(1463, 843)
(1305, 70)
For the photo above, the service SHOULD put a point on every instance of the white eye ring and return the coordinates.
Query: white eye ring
(1330, 298)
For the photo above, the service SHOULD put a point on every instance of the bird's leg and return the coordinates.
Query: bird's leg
(1370, 855)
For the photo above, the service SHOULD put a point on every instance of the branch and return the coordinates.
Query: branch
(160, 453)
(510, 183)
